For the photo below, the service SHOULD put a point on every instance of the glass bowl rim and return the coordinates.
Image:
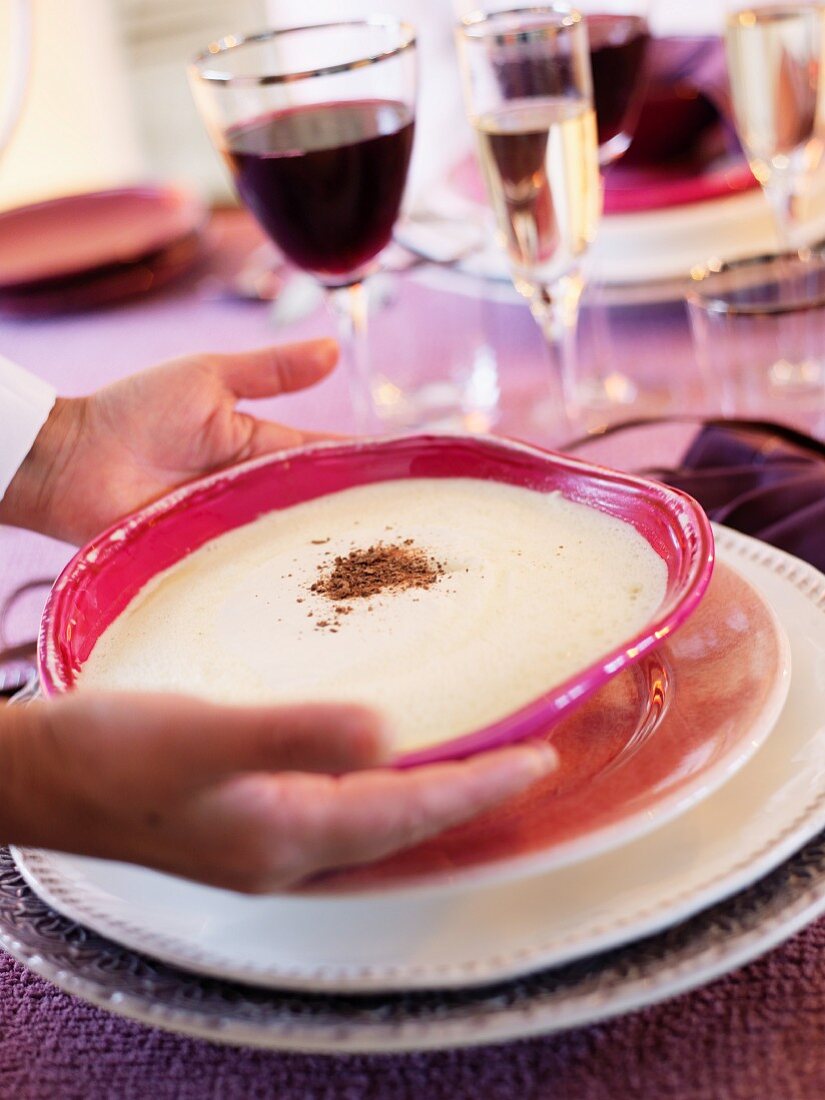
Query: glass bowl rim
(478, 25)
(719, 304)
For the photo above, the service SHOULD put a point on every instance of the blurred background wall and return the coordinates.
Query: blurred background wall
(159, 37)
(78, 126)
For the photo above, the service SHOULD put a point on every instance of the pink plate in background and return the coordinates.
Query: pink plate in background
(630, 190)
(89, 249)
(103, 578)
(634, 190)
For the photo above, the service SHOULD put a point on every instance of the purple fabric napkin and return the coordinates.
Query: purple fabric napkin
(763, 479)
(686, 110)
(697, 62)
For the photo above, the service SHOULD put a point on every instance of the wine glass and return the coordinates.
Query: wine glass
(316, 124)
(529, 95)
(619, 36)
(774, 54)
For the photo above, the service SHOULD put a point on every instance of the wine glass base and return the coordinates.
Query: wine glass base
(548, 423)
(608, 392)
(443, 404)
(544, 418)
(798, 377)
(603, 402)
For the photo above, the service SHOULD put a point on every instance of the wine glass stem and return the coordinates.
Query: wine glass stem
(782, 197)
(350, 306)
(556, 309)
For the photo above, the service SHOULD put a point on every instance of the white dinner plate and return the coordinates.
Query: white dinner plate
(470, 935)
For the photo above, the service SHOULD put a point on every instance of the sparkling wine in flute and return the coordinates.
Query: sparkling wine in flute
(775, 61)
(618, 50)
(540, 162)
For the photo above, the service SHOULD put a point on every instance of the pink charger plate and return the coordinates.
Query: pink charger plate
(92, 248)
(103, 578)
(632, 190)
(635, 190)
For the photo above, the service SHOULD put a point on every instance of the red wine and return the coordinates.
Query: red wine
(326, 180)
(618, 49)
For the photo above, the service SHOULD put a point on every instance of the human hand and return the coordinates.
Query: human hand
(251, 799)
(99, 457)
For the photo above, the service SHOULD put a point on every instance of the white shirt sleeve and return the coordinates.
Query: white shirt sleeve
(25, 403)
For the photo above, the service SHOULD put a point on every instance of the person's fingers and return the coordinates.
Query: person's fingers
(267, 437)
(186, 743)
(320, 824)
(314, 737)
(266, 372)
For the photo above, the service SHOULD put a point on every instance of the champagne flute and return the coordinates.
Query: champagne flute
(529, 95)
(619, 39)
(316, 124)
(774, 54)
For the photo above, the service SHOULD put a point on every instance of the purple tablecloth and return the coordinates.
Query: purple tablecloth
(758, 1033)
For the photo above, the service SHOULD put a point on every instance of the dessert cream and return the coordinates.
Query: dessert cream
(499, 593)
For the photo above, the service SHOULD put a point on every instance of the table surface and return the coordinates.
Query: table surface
(759, 1032)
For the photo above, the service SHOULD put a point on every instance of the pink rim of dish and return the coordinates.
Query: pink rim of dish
(102, 578)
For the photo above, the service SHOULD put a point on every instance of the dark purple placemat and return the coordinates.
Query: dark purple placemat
(758, 1034)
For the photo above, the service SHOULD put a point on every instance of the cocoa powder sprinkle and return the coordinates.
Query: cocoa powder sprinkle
(382, 567)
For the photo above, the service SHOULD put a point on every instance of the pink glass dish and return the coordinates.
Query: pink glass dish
(102, 579)
(651, 743)
(105, 285)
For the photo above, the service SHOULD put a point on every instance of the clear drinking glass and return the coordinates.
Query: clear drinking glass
(775, 54)
(316, 124)
(759, 333)
(529, 95)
